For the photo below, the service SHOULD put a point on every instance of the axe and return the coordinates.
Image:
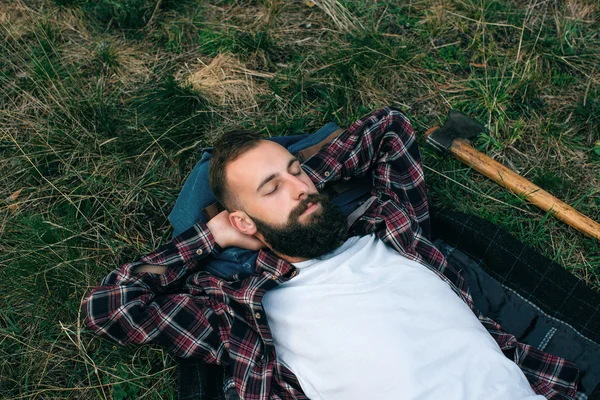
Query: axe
(452, 138)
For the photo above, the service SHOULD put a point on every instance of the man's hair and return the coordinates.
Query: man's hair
(227, 148)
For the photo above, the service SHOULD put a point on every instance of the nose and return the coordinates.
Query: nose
(300, 188)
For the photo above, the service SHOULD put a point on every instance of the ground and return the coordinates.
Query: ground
(105, 106)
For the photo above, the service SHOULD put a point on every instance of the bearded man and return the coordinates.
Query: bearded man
(334, 309)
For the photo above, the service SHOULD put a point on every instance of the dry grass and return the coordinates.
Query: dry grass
(225, 81)
(16, 20)
(341, 17)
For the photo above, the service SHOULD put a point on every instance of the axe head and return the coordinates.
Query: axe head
(457, 125)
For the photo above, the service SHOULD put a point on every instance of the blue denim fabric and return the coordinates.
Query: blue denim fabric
(196, 195)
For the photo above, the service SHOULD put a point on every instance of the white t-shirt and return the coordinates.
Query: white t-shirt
(367, 323)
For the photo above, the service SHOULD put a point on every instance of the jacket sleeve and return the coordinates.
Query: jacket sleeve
(165, 309)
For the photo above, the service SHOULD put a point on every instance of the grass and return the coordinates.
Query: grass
(105, 106)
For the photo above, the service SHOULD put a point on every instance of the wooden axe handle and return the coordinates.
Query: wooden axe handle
(534, 194)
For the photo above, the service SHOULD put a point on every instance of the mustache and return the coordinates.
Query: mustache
(311, 198)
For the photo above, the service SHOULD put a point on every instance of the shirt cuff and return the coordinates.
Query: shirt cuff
(196, 243)
(182, 254)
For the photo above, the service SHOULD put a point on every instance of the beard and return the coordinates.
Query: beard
(324, 231)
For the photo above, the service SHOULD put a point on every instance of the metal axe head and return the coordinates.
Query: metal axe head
(457, 125)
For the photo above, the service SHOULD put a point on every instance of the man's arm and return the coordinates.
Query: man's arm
(383, 145)
(150, 301)
(384, 138)
(225, 235)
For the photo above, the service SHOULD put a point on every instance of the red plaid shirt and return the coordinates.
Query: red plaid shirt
(222, 321)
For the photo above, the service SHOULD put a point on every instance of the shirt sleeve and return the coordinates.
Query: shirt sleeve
(383, 145)
(165, 309)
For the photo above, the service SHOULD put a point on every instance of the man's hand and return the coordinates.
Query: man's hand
(226, 235)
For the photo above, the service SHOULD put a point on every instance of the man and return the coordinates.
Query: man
(372, 310)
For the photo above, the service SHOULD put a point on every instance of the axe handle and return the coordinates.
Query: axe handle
(504, 176)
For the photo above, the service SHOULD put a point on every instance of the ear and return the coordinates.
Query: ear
(242, 222)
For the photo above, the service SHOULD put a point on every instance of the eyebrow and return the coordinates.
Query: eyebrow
(275, 175)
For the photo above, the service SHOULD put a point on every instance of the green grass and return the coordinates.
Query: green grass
(100, 124)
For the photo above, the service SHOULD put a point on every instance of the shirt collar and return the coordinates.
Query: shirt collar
(272, 263)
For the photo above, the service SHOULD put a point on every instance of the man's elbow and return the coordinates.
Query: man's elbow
(153, 269)
(108, 313)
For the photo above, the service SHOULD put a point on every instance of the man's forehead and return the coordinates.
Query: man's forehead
(248, 170)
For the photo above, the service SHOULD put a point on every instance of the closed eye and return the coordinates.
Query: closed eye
(300, 170)
(298, 166)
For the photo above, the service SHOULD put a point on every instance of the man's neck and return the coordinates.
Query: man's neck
(293, 260)
(289, 259)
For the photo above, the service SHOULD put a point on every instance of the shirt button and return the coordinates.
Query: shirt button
(231, 313)
(294, 273)
(327, 173)
(257, 315)
(274, 277)
(199, 252)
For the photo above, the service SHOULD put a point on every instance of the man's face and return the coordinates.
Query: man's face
(283, 204)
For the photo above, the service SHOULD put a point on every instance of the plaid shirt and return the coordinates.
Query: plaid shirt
(222, 321)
